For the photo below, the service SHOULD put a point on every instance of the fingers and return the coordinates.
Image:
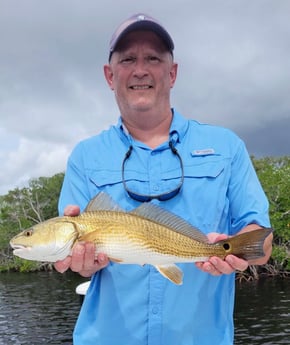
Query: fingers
(78, 257)
(215, 237)
(216, 266)
(213, 267)
(208, 267)
(72, 210)
(82, 259)
(237, 263)
(63, 265)
(84, 262)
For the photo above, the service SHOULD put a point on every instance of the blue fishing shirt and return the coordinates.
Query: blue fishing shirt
(135, 305)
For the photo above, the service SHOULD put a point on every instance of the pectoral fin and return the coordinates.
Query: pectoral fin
(89, 237)
(171, 272)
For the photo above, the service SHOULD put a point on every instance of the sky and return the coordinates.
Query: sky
(234, 71)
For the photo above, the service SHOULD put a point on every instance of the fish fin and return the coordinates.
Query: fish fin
(103, 202)
(248, 245)
(89, 237)
(171, 272)
(168, 219)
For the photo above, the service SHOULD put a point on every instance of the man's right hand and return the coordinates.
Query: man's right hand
(82, 259)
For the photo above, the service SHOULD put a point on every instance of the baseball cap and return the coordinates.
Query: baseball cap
(140, 21)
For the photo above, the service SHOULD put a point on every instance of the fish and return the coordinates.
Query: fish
(148, 234)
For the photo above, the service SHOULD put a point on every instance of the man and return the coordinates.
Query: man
(136, 161)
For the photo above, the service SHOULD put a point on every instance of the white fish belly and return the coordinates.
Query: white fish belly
(129, 253)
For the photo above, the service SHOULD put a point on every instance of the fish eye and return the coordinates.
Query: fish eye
(226, 246)
(28, 233)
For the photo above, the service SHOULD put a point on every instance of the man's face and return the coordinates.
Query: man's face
(141, 73)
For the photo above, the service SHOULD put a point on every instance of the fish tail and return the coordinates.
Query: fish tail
(248, 245)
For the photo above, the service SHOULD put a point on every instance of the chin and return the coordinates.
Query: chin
(142, 106)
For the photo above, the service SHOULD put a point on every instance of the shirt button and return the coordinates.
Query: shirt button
(155, 188)
(155, 310)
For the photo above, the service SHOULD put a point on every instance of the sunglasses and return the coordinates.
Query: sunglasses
(161, 197)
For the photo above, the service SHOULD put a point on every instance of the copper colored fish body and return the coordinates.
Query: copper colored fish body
(146, 235)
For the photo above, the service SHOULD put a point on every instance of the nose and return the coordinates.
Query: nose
(140, 70)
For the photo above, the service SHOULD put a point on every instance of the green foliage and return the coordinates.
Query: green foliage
(20, 209)
(281, 258)
(22, 265)
(274, 174)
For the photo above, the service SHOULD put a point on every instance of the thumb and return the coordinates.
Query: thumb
(215, 237)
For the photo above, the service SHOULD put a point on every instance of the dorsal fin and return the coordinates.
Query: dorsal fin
(103, 202)
(157, 214)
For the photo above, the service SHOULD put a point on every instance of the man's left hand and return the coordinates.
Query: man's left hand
(217, 266)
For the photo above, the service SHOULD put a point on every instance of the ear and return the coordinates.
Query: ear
(109, 76)
(173, 74)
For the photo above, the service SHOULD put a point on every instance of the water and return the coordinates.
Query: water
(38, 308)
(41, 308)
(262, 313)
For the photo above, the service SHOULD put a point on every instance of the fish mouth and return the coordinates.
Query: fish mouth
(17, 247)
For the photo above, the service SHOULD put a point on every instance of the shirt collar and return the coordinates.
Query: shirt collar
(177, 130)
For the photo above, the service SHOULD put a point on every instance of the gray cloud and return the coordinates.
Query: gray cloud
(234, 71)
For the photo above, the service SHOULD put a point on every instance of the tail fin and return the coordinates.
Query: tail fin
(248, 245)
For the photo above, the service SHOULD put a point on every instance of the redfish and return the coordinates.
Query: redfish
(146, 235)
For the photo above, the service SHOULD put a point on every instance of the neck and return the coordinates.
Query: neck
(151, 130)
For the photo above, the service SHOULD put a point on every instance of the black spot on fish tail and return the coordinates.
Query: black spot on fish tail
(248, 245)
(226, 246)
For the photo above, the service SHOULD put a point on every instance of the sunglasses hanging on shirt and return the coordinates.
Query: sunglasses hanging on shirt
(161, 197)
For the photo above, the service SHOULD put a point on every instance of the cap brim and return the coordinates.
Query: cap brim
(146, 25)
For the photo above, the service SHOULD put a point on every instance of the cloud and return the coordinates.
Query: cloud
(35, 160)
(234, 71)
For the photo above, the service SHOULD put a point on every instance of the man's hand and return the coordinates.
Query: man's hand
(217, 266)
(82, 259)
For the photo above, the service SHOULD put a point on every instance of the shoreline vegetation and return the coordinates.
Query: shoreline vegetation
(21, 208)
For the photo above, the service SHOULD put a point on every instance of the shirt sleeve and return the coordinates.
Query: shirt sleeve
(248, 202)
(75, 188)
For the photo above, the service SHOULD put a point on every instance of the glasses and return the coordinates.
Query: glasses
(161, 197)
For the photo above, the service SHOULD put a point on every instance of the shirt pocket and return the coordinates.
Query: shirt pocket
(208, 170)
(101, 178)
(198, 169)
(208, 178)
(111, 181)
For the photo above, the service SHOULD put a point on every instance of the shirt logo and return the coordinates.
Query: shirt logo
(203, 152)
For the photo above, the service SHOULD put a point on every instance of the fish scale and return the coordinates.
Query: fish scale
(116, 228)
(146, 235)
